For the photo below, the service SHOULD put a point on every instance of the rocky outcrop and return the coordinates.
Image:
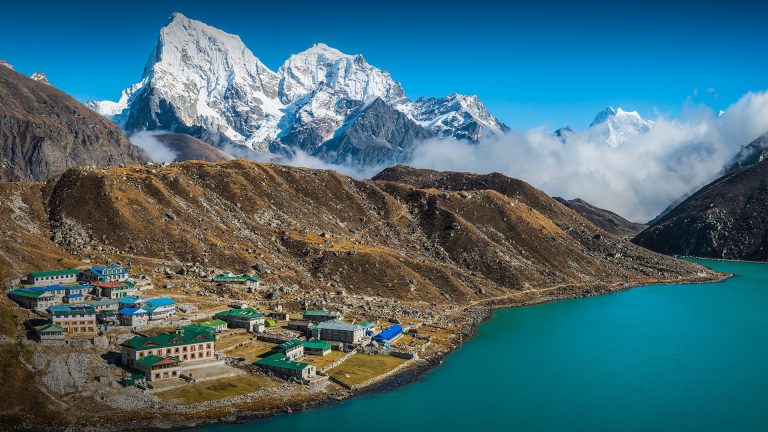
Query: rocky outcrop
(44, 132)
(749, 154)
(605, 219)
(725, 219)
(376, 134)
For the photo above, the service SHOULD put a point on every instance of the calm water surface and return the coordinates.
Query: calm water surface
(671, 358)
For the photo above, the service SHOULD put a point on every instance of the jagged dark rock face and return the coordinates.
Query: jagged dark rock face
(725, 219)
(377, 134)
(749, 154)
(605, 219)
(308, 130)
(44, 132)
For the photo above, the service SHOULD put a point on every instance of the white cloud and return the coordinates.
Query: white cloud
(637, 179)
(303, 159)
(157, 151)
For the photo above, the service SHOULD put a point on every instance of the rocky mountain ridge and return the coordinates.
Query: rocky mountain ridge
(44, 132)
(410, 234)
(724, 219)
(604, 219)
(301, 107)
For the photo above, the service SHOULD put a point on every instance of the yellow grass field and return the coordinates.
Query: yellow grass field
(362, 367)
(218, 389)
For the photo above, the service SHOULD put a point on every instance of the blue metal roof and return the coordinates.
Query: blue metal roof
(161, 301)
(132, 311)
(388, 334)
(47, 288)
(74, 295)
(99, 271)
(130, 300)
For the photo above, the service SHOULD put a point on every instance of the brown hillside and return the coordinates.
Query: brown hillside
(447, 237)
(44, 131)
(190, 148)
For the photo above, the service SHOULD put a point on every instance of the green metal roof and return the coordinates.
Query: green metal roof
(63, 272)
(316, 344)
(316, 312)
(81, 309)
(152, 360)
(285, 346)
(281, 361)
(235, 278)
(187, 335)
(49, 328)
(212, 323)
(240, 313)
(25, 292)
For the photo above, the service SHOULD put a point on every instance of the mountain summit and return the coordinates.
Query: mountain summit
(205, 82)
(615, 126)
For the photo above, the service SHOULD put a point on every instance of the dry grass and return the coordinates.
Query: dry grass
(253, 351)
(322, 361)
(228, 340)
(218, 389)
(362, 367)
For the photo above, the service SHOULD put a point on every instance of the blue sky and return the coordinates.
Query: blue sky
(534, 62)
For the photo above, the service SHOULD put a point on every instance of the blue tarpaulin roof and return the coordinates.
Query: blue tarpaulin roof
(388, 334)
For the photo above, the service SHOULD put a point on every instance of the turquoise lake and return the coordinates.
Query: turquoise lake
(656, 358)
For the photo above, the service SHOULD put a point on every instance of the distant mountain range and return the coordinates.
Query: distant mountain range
(206, 83)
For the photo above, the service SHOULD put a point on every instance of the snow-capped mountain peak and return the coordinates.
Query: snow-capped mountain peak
(603, 115)
(615, 126)
(205, 82)
(350, 75)
(40, 76)
(456, 115)
(6, 64)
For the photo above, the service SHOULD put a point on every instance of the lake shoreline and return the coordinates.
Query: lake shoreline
(476, 315)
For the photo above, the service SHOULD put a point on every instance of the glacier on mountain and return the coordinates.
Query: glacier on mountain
(205, 82)
(616, 126)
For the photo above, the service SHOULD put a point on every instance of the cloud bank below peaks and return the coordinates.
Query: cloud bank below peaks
(637, 178)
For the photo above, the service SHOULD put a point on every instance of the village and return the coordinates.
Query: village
(179, 350)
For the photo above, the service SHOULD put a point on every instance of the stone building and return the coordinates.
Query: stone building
(168, 355)
(320, 315)
(74, 319)
(247, 318)
(292, 349)
(53, 277)
(114, 273)
(337, 330)
(281, 365)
